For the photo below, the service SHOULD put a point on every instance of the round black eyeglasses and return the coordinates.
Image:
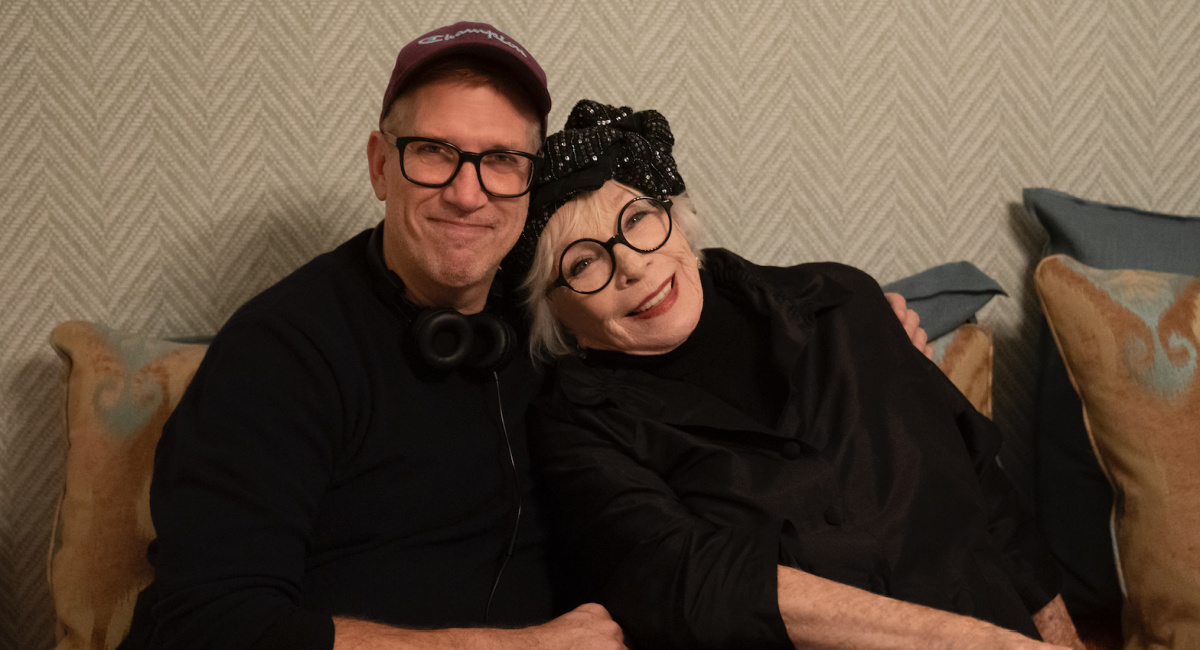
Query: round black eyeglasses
(434, 163)
(588, 265)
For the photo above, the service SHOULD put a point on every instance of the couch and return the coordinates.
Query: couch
(1127, 339)
(121, 387)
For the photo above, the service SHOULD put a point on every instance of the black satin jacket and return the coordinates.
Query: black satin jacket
(878, 474)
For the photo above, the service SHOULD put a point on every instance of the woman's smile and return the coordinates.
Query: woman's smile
(664, 297)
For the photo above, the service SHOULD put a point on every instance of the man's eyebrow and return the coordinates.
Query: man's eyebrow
(515, 146)
(492, 146)
(506, 147)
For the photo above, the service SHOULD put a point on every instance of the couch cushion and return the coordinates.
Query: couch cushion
(1130, 341)
(1072, 497)
(120, 389)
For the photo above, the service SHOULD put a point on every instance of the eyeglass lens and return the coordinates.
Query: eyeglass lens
(587, 265)
(435, 164)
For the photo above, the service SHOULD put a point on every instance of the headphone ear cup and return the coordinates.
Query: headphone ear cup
(443, 338)
(495, 342)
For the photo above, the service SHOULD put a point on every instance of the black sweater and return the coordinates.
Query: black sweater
(312, 470)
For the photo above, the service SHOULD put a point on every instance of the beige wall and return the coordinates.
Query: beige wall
(160, 162)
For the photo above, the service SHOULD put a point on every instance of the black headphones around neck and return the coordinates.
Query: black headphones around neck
(443, 338)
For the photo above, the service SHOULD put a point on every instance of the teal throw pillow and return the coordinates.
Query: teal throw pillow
(946, 296)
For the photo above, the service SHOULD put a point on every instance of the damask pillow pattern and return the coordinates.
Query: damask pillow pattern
(120, 389)
(1130, 340)
(1072, 495)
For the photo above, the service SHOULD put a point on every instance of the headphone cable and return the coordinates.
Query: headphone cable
(512, 542)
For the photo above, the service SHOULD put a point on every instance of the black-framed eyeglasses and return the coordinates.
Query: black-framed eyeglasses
(588, 265)
(434, 163)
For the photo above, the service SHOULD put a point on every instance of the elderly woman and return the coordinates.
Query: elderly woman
(749, 456)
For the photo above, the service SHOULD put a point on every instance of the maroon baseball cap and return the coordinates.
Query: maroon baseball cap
(478, 39)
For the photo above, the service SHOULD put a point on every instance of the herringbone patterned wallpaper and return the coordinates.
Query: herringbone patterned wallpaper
(161, 162)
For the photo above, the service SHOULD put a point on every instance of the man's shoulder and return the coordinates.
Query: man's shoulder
(318, 321)
(322, 300)
(332, 276)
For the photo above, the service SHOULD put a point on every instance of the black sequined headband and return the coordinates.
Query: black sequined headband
(598, 143)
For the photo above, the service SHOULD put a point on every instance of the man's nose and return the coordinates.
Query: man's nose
(464, 191)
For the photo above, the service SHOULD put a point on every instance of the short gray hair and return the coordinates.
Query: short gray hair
(547, 336)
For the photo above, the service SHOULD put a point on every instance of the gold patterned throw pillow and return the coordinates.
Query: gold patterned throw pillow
(120, 389)
(1130, 341)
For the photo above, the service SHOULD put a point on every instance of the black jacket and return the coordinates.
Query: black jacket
(878, 474)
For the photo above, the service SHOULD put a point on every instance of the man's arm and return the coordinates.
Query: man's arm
(820, 613)
(238, 477)
(585, 627)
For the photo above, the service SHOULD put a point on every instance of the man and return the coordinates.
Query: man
(320, 484)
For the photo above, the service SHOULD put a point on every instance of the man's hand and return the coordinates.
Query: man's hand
(587, 627)
(912, 324)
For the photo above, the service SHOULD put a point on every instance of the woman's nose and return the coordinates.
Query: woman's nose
(631, 265)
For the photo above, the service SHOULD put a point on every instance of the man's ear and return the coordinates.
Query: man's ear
(377, 152)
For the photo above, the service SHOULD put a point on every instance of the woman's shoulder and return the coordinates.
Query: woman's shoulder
(727, 265)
